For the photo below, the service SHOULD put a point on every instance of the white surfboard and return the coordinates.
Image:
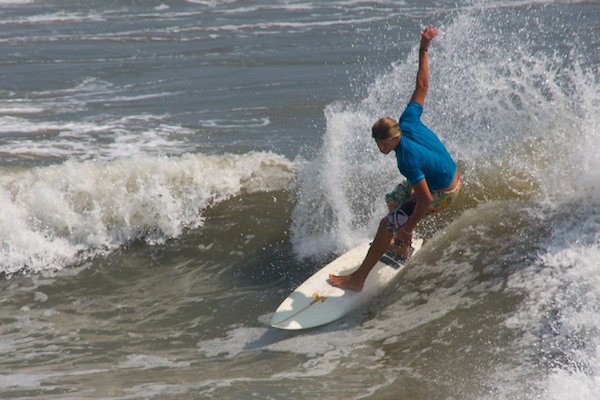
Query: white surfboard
(315, 302)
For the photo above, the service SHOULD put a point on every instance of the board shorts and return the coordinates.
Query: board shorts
(403, 197)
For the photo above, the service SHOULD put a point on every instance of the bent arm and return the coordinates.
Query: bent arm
(423, 73)
(424, 199)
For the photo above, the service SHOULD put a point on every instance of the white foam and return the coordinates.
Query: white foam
(574, 384)
(80, 140)
(325, 350)
(60, 17)
(253, 122)
(11, 2)
(527, 126)
(144, 361)
(36, 380)
(506, 110)
(53, 216)
(274, 27)
(348, 343)
(341, 199)
(22, 380)
(561, 316)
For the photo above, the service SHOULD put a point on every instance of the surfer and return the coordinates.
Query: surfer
(432, 179)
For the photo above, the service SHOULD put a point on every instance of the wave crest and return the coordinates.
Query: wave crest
(56, 215)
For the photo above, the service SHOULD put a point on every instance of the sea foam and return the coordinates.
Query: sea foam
(55, 215)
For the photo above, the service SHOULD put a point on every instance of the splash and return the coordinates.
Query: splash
(517, 106)
(56, 215)
(516, 113)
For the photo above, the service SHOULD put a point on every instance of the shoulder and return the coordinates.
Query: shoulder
(412, 111)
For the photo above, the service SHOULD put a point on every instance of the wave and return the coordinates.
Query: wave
(12, 2)
(518, 116)
(104, 139)
(519, 113)
(57, 215)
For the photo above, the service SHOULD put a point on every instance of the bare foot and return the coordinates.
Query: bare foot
(346, 282)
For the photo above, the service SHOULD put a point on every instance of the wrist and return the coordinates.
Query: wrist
(423, 49)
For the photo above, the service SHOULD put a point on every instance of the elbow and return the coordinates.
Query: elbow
(426, 199)
(423, 84)
(423, 202)
(426, 203)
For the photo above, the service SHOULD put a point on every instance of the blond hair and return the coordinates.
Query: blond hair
(385, 128)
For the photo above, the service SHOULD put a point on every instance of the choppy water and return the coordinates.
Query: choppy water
(170, 171)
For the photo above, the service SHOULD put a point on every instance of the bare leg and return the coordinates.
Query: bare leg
(356, 280)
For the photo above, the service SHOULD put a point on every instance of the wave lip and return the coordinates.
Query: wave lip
(58, 215)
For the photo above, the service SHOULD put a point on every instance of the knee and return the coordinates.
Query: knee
(384, 225)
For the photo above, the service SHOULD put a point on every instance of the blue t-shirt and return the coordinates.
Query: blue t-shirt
(421, 154)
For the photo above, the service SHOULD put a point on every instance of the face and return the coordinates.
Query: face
(387, 145)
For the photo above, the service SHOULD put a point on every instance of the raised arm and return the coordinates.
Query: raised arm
(423, 74)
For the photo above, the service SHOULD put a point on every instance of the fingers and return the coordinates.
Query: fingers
(429, 32)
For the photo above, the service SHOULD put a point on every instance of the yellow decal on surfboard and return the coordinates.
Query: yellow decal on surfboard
(317, 298)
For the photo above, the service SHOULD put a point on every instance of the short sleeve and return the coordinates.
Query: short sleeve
(412, 113)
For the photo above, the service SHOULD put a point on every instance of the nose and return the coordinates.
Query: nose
(383, 147)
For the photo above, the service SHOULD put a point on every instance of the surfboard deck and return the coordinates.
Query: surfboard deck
(315, 302)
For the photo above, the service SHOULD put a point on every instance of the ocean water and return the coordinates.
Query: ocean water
(171, 170)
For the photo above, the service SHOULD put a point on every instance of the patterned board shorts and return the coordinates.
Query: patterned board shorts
(402, 200)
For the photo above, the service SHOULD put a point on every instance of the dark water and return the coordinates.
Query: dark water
(170, 171)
